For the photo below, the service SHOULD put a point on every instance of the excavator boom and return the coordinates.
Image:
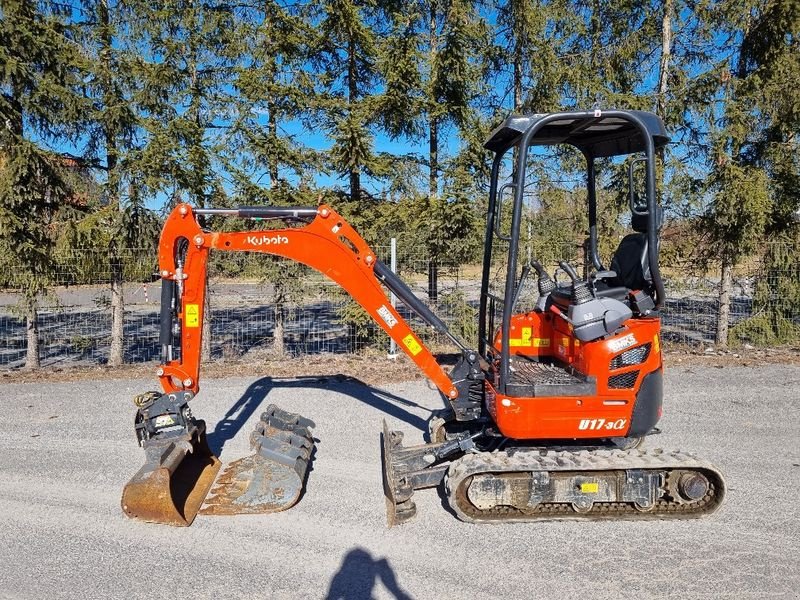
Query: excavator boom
(327, 243)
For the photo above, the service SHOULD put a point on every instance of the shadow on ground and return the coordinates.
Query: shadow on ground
(254, 396)
(358, 574)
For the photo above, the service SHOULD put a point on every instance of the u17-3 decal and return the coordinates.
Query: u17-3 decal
(602, 424)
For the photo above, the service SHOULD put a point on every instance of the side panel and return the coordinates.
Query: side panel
(627, 370)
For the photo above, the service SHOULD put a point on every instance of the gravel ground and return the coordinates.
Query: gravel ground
(69, 449)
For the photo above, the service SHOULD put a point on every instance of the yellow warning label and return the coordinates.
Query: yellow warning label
(656, 343)
(524, 340)
(541, 342)
(590, 488)
(412, 344)
(192, 316)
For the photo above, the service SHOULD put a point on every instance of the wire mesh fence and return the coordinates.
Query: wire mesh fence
(253, 298)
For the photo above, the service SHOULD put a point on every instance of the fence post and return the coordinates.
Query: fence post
(393, 267)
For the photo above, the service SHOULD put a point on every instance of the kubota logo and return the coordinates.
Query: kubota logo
(266, 240)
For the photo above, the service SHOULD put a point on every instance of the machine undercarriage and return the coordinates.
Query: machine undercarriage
(521, 482)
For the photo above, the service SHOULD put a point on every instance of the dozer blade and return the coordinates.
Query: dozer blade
(174, 481)
(399, 506)
(406, 469)
(272, 479)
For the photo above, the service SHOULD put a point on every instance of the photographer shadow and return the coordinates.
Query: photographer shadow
(358, 574)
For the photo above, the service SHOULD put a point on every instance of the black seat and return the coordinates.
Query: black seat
(630, 261)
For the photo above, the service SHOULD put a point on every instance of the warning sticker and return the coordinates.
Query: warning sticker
(192, 315)
(541, 342)
(524, 340)
(412, 344)
(656, 344)
(590, 488)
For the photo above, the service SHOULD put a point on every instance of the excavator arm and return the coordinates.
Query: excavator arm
(325, 242)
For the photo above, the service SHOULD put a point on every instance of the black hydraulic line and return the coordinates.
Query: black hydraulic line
(254, 212)
(487, 253)
(569, 270)
(402, 291)
(165, 331)
(260, 212)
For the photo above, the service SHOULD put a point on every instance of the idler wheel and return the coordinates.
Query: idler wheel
(693, 486)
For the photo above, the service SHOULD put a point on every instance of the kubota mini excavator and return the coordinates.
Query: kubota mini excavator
(542, 420)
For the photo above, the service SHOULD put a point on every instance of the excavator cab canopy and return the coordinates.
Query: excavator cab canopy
(596, 134)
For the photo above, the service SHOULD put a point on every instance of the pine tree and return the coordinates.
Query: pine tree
(38, 105)
(120, 221)
(182, 72)
(273, 87)
(346, 55)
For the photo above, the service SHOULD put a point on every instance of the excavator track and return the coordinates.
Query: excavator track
(517, 486)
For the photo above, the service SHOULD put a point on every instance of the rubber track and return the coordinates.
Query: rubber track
(510, 461)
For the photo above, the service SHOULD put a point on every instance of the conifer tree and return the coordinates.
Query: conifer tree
(120, 222)
(38, 105)
(346, 53)
(182, 72)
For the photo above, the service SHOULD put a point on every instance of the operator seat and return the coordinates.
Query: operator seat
(630, 262)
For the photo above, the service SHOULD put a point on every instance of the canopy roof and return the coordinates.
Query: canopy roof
(596, 133)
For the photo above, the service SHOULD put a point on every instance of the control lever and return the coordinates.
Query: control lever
(581, 292)
(545, 285)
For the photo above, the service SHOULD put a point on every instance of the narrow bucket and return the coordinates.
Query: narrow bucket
(174, 481)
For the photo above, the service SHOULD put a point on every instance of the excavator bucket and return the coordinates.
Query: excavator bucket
(272, 479)
(174, 481)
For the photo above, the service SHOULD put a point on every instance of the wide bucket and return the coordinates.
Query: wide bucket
(272, 479)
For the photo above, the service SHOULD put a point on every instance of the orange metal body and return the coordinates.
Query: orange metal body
(327, 244)
(332, 247)
(604, 414)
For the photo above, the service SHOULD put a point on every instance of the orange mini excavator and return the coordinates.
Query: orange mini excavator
(541, 421)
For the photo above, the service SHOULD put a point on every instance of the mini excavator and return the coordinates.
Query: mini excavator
(542, 421)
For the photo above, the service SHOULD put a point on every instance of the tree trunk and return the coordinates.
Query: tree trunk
(116, 355)
(352, 97)
(278, 345)
(32, 327)
(666, 53)
(355, 186)
(433, 152)
(272, 129)
(433, 119)
(723, 316)
(433, 281)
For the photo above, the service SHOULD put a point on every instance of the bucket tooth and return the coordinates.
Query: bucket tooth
(271, 479)
(175, 479)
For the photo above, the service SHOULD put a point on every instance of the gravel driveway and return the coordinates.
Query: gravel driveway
(68, 449)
